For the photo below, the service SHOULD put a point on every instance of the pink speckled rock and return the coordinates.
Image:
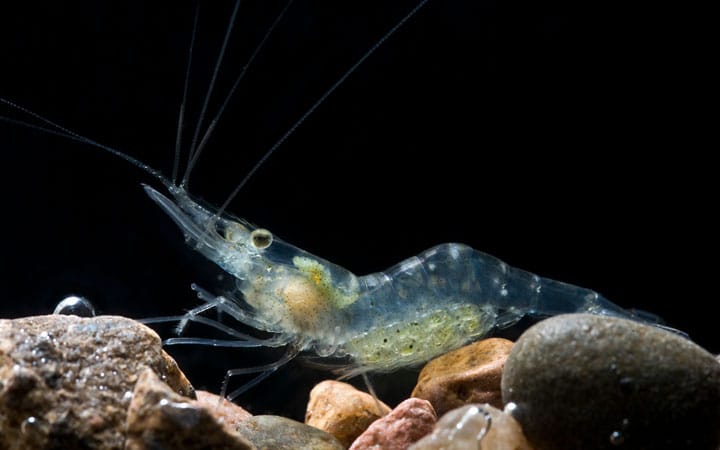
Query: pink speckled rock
(408, 422)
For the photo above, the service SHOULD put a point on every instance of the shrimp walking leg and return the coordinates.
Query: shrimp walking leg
(272, 342)
(203, 320)
(264, 371)
(229, 306)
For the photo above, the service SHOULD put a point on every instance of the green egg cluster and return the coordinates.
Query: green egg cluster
(415, 341)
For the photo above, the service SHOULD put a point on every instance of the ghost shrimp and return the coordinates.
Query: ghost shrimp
(422, 307)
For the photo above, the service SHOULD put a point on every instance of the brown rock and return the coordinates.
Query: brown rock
(66, 382)
(481, 427)
(280, 433)
(409, 421)
(160, 418)
(224, 411)
(598, 382)
(341, 410)
(470, 374)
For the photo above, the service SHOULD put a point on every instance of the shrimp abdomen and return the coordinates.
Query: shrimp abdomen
(446, 296)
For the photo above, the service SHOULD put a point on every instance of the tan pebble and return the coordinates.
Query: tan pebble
(470, 374)
(341, 410)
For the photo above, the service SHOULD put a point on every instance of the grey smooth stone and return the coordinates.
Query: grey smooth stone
(280, 433)
(582, 381)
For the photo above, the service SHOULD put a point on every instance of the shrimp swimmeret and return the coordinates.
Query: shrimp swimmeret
(422, 307)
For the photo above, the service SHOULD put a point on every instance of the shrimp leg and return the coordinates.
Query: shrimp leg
(230, 306)
(203, 320)
(264, 371)
(222, 304)
(272, 342)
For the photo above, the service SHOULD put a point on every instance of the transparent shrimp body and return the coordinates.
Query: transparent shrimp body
(420, 308)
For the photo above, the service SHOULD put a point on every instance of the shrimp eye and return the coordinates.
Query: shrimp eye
(261, 238)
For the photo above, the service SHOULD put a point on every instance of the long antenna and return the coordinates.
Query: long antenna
(319, 102)
(58, 130)
(214, 121)
(186, 88)
(211, 86)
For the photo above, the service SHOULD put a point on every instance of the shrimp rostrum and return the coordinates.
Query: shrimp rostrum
(418, 309)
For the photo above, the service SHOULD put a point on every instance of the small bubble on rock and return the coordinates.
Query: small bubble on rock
(617, 438)
(75, 305)
(28, 424)
(510, 408)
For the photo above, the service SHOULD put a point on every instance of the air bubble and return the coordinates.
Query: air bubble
(28, 425)
(511, 407)
(75, 305)
(617, 438)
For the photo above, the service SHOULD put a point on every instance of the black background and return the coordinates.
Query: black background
(563, 140)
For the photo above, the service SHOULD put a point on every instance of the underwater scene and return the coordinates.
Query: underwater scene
(429, 182)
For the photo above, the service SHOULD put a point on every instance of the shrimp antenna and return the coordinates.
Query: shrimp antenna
(226, 101)
(208, 94)
(317, 104)
(58, 130)
(186, 88)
